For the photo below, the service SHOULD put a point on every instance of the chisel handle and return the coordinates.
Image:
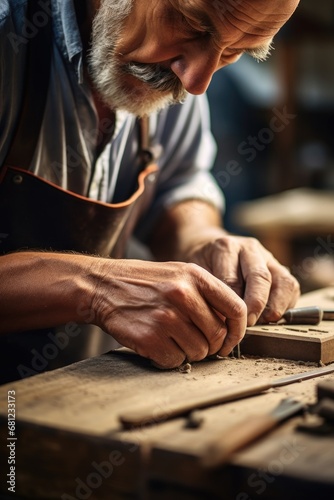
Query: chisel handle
(237, 437)
(244, 433)
(154, 413)
(303, 315)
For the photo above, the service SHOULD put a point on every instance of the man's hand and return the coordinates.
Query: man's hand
(193, 230)
(169, 312)
(267, 288)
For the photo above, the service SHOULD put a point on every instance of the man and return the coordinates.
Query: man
(133, 58)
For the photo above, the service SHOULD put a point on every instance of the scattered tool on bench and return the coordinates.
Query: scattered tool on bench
(154, 413)
(244, 433)
(324, 409)
(311, 315)
(235, 438)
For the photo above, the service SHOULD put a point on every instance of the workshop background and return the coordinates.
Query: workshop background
(274, 123)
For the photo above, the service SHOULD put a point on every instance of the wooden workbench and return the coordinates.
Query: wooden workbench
(70, 443)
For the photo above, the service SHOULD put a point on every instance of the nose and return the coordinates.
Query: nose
(195, 72)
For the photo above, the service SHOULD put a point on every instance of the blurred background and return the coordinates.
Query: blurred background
(274, 126)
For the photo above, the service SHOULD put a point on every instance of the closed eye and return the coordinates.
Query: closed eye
(260, 53)
(193, 28)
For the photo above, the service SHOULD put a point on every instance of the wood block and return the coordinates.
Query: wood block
(302, 343)
(298, 342)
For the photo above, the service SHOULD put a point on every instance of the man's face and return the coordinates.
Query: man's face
(147, 54)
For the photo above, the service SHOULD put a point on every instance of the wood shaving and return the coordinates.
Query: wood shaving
(185, 368)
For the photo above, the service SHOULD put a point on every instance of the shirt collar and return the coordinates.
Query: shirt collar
(67, 33)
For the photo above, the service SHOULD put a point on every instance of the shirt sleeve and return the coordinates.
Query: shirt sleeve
(188, 153)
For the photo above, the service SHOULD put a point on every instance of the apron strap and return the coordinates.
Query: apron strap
(37, 74)
(145, 151)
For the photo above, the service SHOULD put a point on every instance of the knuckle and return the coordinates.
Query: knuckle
(181, 292)
(273, 315)
(164, 316)
(290, 283)
(145, 345)
(224, 243)
(181, 287)
(232, 282)
(238, 309)
(253, 242)
(262, 274)
(200, 354)
(191, 267)
(258, 303)
(193, 270)
(217, 340)
(159, 354)
(168, 361)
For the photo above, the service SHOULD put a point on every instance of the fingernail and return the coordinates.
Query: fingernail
(251, 319)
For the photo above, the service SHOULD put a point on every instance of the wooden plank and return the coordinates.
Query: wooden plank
(285, 459)
(313, 343)
(68, 423)
(67, 420)
(53, 464)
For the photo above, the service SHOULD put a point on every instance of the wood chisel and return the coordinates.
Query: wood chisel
(311, 315)
(238, 436)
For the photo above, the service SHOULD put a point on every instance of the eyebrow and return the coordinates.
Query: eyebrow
(260, 53)
(197, 17)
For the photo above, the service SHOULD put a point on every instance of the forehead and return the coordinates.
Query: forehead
(253, 17)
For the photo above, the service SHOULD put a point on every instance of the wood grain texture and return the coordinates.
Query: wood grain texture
(299, 342)
(70, 443)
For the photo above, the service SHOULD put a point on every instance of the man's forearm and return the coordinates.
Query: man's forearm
(43, 289)
(180, 226)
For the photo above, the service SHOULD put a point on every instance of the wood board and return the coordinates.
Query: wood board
(313, 343)
(287, 464)
(70, 443)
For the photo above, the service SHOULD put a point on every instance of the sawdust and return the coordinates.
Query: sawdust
(267, 367)
(244, 368)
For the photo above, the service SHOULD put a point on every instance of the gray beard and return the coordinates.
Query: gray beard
(153, 87)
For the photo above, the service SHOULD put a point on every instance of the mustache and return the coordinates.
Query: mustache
(158, 78)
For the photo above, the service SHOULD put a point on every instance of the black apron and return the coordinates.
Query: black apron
(36, 214)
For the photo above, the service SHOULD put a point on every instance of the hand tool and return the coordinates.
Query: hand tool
(236, 437)
(325, 400)
(325, 389)
(323, 408)
(240, 435)
(154, 413)
(311, 315)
